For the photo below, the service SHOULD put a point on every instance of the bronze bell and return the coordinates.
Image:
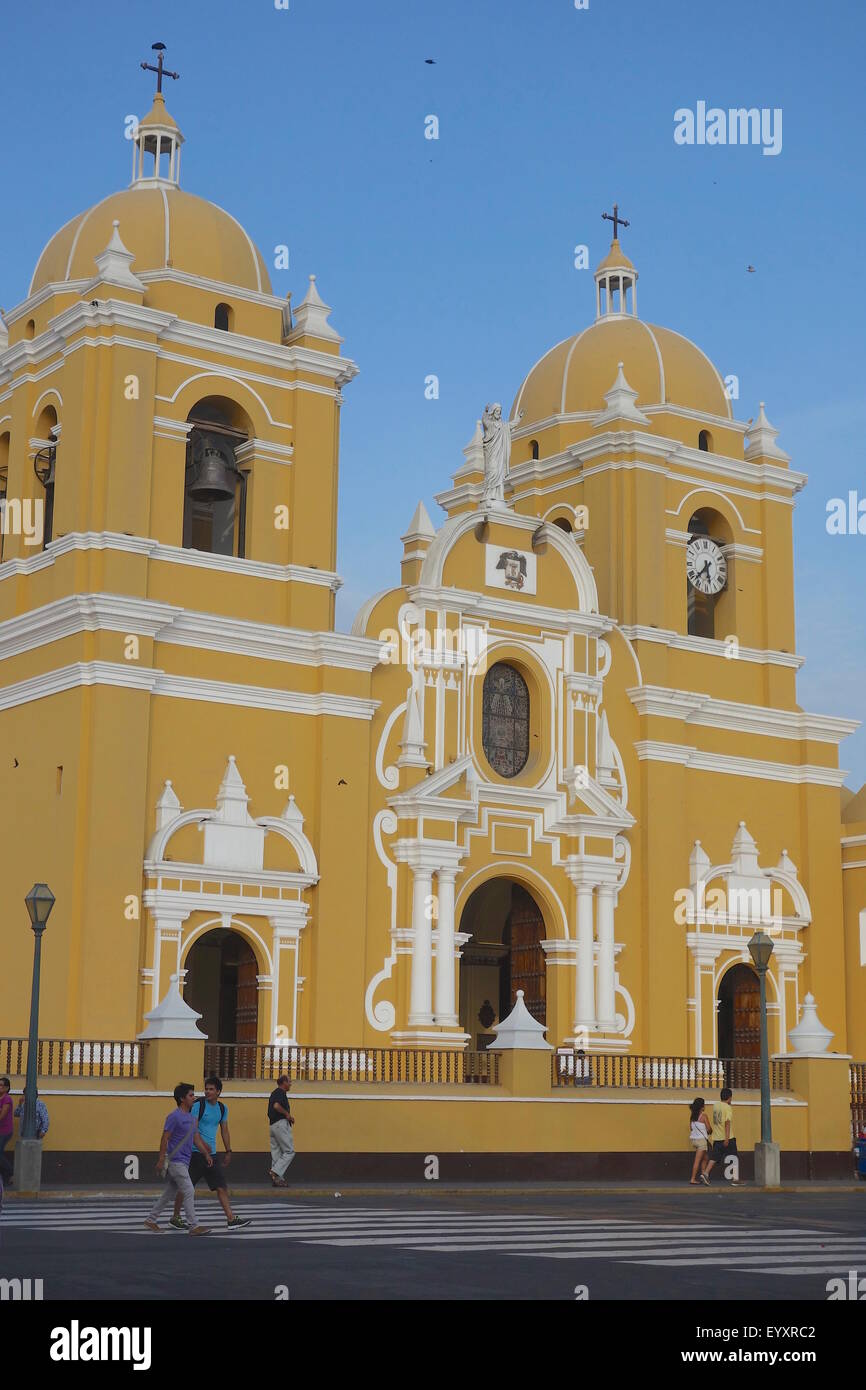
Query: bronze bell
(215, 474)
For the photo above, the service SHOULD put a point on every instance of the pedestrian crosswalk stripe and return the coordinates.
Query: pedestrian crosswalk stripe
(671, 1244)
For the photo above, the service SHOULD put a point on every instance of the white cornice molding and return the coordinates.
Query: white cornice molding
(243, 637)
(848, 840)
(176, 626)
(668, 454)
(173, 554)
(471, 604)
(147, 277)
(256, 569)
(334, 368)
(169, 328)
(222, 287)
(651, 750)
(183, 688)
(709, 646)
(765, 721)
(66, 617)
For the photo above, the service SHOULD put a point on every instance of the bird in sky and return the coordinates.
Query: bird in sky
(431, 61)
(750, 269)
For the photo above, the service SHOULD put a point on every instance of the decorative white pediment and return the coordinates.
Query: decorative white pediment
(741, 893)
(233, 839)
(441, 792)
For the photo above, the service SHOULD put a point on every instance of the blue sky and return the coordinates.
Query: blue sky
(454, 257)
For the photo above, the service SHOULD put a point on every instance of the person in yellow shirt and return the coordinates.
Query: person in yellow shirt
(724, 1143)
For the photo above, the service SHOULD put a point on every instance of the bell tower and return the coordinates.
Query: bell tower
(177, 423)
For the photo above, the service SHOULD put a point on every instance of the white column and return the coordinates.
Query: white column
(445, 1008)
(422, 951)
(606, 961)
(585, 993)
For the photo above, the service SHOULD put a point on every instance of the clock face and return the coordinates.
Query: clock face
(706, 566)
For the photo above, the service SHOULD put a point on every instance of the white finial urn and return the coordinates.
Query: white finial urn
(810, 1035)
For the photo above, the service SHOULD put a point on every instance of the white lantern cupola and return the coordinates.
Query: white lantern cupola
(615, 278)
(157, 140)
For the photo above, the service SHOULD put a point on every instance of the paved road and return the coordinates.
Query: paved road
(717, 1246)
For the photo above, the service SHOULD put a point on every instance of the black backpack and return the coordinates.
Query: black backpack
(202, 1102)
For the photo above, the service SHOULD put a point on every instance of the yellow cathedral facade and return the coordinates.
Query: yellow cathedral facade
(563, 754)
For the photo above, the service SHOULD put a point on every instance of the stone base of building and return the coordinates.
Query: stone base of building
(74, 1169)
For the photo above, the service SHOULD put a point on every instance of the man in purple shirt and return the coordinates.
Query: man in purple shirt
(179, 1135)
(6, 1126)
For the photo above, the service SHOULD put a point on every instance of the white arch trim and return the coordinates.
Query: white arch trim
(295, 836)
(798, 894)
(213, 923)
(224, 376)
(742, 957)
(520, 871)
(713, 492)
(297, 839)
(52, 391)
(457, 527)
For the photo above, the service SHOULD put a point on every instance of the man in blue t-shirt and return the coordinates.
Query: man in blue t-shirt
(211, 1115)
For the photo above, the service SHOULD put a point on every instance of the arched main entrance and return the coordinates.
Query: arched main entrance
(221, 984)
(503, 956)
(740, 1025)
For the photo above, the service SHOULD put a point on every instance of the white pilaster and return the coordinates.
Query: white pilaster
(445, 1006)
(606, 962)
(584, 1016)
(420, 995)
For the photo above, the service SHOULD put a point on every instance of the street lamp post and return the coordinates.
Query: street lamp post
(40, 901)
(766, 1153)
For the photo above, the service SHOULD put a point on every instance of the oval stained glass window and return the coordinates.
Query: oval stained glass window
(505, 720)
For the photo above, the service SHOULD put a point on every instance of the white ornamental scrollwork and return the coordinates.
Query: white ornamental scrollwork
(382, 1016)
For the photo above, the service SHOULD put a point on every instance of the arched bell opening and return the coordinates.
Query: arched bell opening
(5, 450)
(44, 466)
(709, 595)
(222, 985)
(215, 487)
(504, 955)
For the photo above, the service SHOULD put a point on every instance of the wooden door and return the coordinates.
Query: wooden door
(747, 1014)
(527, 957)
(247, 1008)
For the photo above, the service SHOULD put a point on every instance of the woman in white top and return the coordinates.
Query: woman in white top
(700, 1129)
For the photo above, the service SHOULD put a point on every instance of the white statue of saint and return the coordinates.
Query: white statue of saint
(496, 444)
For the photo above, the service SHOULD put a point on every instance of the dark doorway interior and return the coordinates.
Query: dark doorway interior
(221, 984)
(503, 956)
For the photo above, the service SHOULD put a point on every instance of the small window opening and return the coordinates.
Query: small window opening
(222, 318)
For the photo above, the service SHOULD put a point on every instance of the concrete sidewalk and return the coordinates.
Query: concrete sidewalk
(438, 1189)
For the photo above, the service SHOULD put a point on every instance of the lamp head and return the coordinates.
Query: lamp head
(40, 901)
(760, 949)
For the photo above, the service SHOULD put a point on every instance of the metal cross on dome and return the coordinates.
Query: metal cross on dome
(615, 219)
(158, 68)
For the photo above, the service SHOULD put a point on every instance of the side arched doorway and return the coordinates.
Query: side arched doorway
(740, 1025)
(503, 956)
(222, 985)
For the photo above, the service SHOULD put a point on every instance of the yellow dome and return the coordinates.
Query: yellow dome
(662, 366)
(163, 227)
